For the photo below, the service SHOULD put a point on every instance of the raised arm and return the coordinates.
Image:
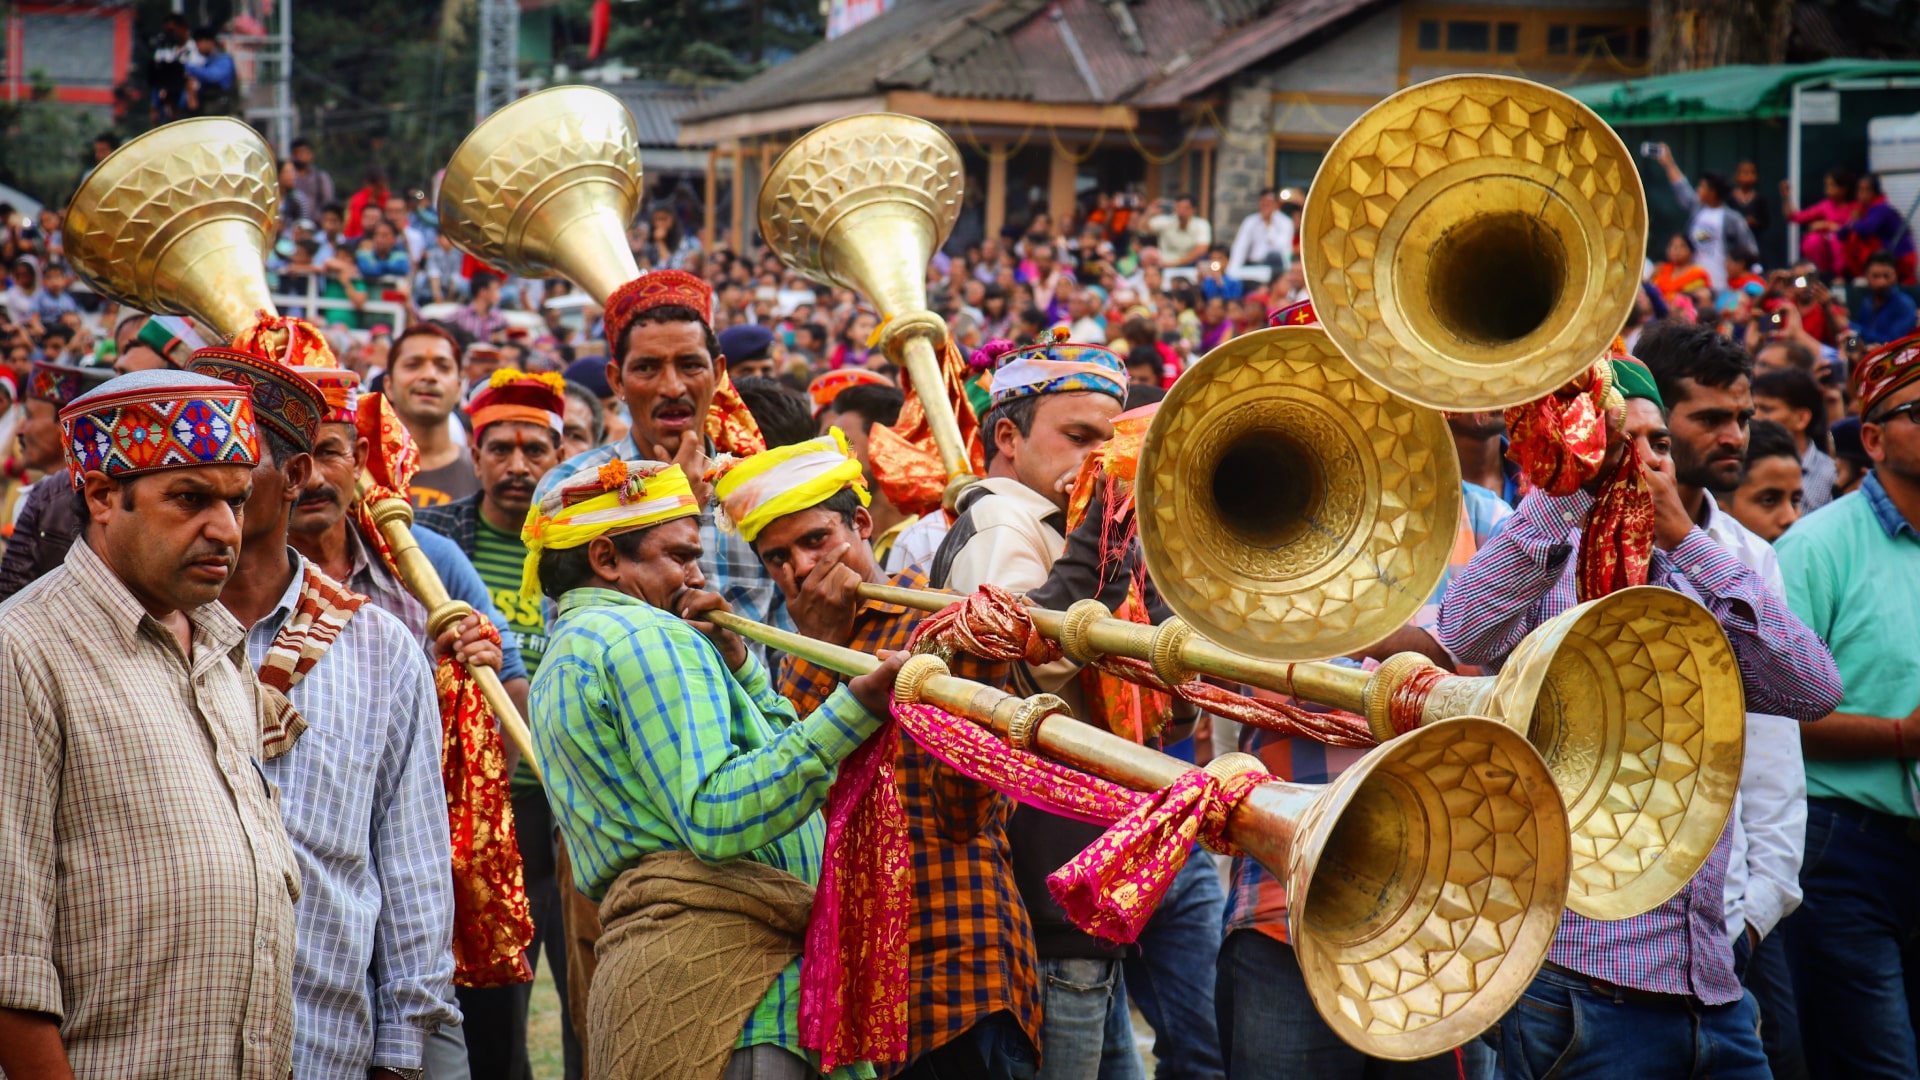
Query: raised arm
(1785, 667)
(1491, 602)
(677, 711)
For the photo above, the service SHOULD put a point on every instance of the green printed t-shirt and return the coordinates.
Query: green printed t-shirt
(501, 558)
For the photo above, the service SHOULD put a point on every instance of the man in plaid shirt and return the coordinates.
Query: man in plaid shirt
(1655, 995)
(974, 1000)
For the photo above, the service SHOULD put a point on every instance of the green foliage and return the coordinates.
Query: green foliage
(45, 144)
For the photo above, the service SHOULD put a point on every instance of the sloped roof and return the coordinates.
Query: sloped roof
(1289, 23)
(1062, 52)
(657, 108)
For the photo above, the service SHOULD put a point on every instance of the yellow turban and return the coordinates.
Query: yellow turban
(617, 497)
(786, 480)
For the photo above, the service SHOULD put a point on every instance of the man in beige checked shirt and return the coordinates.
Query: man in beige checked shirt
(146, 885)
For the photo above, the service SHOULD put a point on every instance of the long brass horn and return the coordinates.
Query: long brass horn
(547, 186)
(1474, 242)
(177, 221)
(863, 203)
(1424, 885)
(1290, 508)
(1633, 699)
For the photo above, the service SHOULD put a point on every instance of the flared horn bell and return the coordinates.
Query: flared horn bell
(547, 187)
(1424, 885)
(1475, 241)
(1635, 701)
(177, 222)
(1292, 509)
(863, 203)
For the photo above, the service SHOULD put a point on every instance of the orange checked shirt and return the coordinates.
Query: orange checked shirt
(970, 950)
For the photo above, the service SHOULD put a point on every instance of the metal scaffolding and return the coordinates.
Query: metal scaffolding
(499, 55)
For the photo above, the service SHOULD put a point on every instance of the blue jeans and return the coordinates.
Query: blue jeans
(1564, 1029)
(1850, 942)
(1765, 972)
(1085, 1032)
(1269, 1028)
(1170, 981)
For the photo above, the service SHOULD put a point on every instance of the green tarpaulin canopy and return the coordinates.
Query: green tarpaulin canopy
(1736, 92)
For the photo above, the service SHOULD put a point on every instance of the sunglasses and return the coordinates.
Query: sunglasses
(1907, 410)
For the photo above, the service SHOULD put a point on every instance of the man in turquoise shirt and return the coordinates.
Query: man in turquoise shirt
(1852, 573)
(687, 789)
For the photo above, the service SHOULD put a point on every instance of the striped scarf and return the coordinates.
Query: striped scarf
(318, 616)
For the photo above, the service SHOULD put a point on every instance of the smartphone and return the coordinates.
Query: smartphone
(1777, 319)
(1852, 344)
(1215, 265)
(1800, 282)
(1650, 149)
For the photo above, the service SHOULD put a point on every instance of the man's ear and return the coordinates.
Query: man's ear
(603, 559)
(362, 450)
(1006, 437)
(102, 493)
(299, 471)
(863, 523)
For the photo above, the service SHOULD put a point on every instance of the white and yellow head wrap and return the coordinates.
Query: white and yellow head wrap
(786, 480)
(618, 497)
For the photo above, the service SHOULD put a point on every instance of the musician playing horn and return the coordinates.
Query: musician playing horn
(973, 1001)
(687, 790)
(1652, 994)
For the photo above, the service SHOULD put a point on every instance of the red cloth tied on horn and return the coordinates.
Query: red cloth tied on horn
(906, 460)
(492, 923)
(1560, 443)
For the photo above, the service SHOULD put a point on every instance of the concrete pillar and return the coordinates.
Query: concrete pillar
(1245, 154)
(996, 187)
(713, 197)
(1060, 176)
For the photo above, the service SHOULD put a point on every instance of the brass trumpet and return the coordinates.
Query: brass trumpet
(863, 203)
(1474, 242)
(1424, 885)
(177, 221)
(1633, 699)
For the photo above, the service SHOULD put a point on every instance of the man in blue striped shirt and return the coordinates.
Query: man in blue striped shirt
(355, 753)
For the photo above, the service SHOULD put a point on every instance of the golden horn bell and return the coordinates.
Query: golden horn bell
(547, 186)
(1631, 700)
(863, 203)
(1291, 509)
(1424, 885)
(1474, 242)
(177, 222)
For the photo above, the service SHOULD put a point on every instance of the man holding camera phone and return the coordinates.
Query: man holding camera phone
(1714, 227)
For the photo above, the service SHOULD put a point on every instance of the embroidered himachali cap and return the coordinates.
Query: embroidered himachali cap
(148, 421)
(59, 384)
(656, 289)
(828, 384)
(1057, 367)
(617, 497)
(517, 395)
(1885, 370)
(283, 400)
(785, 480)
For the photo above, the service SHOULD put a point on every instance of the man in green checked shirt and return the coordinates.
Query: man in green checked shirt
(687, 789)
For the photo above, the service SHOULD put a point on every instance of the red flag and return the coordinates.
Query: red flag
(597, 36)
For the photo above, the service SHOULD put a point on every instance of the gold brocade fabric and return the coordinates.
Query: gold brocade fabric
(729, 423)
(906, 460)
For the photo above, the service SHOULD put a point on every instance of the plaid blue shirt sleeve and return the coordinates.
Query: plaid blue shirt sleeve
(723, 801)
(1490, 602)
(412, 968)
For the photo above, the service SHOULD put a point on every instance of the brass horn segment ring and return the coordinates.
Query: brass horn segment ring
(1291, 508)
(1475, 241)
(1649, 789)
(1427, 885)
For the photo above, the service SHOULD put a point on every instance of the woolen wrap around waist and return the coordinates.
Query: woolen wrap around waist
(687, 950)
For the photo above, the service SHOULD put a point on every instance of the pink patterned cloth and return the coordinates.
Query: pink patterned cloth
(853, 983)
